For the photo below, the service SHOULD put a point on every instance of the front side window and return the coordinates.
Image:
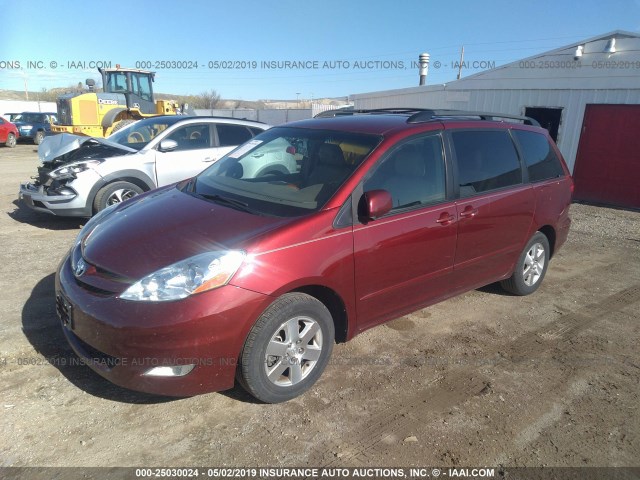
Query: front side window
(284, 171)
(487, 160)
(413, 173)
(541, 160)
(191, 137)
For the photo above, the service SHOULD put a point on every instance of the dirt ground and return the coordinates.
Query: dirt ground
(484, 379)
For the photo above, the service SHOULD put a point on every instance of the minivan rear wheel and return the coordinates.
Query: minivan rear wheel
(531, 267)
(287, 349)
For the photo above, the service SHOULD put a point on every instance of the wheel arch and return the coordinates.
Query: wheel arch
(275, 167)
(134, 177)
(135, 180)
(549, 232)
(334, 304)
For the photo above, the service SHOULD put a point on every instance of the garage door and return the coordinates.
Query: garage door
(607, 168)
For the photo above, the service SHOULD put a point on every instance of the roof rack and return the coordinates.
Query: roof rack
(427, 115)
(419, 115)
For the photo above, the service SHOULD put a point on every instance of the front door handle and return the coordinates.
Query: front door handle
(445, 218)
(209, 159)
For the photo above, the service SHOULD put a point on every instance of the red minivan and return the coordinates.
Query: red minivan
(233, 275)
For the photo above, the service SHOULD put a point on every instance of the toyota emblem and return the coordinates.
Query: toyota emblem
(81, 267)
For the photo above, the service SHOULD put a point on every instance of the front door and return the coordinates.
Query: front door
(194, 153)
(403, 260)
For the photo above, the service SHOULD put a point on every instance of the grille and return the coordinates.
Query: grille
(93, 289)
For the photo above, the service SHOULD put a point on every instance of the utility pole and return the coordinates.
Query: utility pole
(26, 85)
(461, 62)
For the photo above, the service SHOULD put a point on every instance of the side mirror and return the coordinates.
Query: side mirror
(375, 204)
(235, 171)
(168, 145)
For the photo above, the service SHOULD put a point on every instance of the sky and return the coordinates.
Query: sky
(334, 48)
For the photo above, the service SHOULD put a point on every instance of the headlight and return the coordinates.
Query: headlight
(193, 275)
(73, 168)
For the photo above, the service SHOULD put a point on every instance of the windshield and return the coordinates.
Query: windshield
(285, 171)
(139, 134)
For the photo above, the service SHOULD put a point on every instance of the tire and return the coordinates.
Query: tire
(121, 124)
(39, 137)
(114, 193)
(293, 364)
(11, 140)
(531, 267)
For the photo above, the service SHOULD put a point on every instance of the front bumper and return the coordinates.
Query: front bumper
(122, 340)
(40, 198)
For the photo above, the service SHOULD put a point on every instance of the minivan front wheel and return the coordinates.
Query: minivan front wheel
(287, 349)
(531, 267)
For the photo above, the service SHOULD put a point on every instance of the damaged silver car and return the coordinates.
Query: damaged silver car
(79, 176)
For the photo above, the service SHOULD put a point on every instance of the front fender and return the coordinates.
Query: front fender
(110, 116)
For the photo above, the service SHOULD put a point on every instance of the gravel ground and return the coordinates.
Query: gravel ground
(484, 379)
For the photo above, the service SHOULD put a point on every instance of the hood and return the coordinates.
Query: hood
(165, 226)
(61, 145)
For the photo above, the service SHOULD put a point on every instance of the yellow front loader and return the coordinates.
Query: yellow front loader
(127, 96)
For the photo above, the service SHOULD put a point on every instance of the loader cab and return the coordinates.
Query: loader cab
(135, 85)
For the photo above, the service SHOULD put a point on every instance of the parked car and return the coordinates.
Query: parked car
(8, 133)
(80, 176)
(34, 126)
(184, 289)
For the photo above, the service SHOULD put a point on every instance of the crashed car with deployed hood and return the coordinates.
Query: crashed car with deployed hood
(79, 176)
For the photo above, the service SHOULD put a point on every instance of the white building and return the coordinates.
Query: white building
(586, 94)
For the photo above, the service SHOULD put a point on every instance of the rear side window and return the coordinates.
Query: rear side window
(231, 135)
(541, 160)
(487, 160)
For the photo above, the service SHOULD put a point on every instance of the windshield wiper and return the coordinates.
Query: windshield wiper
(230, 202)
